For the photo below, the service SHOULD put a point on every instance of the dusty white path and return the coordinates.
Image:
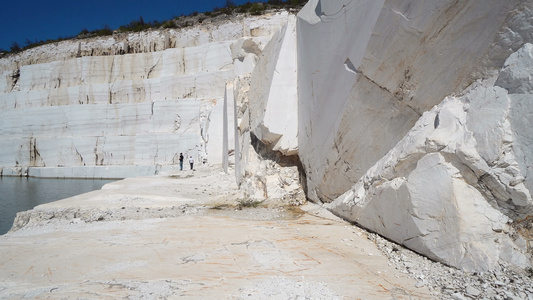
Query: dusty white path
(178, 236)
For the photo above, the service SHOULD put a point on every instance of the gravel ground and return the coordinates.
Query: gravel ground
(449, 283)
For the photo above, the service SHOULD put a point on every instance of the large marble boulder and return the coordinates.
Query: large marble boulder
(266, 110)
(455, 187)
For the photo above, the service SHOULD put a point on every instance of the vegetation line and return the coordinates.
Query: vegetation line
(256, 8)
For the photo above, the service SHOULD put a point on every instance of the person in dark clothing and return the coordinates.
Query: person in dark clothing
(181, 161)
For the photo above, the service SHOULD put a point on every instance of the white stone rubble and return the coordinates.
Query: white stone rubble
(450, 283)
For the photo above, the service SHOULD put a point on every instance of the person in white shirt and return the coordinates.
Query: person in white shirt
(191, 161)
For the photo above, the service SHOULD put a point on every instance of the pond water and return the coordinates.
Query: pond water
(21, 193)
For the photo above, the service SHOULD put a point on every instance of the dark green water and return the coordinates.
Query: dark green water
(20, 194)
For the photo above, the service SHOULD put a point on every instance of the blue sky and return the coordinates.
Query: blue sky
(42, 20)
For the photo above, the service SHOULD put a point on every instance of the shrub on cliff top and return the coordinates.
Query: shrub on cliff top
(98, 32)
(15, 47)
(137, 25)
(169, 24)
(257, 9)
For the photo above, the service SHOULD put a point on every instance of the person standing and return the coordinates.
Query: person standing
(181, 161)
(191, 161)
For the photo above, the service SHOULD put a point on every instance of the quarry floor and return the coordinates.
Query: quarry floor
(187, 235)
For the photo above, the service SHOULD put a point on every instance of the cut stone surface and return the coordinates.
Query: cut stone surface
(367, 71)
(132, 247)
(274, 95)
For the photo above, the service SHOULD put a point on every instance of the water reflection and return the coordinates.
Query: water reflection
(19, 194)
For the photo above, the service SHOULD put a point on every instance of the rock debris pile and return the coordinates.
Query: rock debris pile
(508, 283)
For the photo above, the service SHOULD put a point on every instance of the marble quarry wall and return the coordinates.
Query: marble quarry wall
(125, 105)
(410, 118)
(415, 122)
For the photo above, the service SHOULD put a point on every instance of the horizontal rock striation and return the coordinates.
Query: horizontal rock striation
(232, 28)
(124, 105)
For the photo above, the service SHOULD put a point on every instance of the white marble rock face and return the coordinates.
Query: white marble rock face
(369, 69)
(414, 122)
(126, 103)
